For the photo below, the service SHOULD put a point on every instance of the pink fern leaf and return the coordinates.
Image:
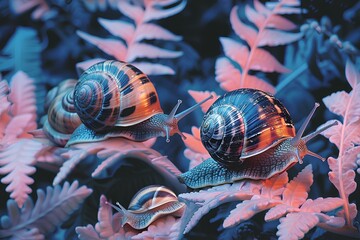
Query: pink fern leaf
(40, 7)
(112, 47)
(136, 13)
(50, 210)
(74, 156)
(161, 9)
(17, 163)
(247, 209)
(161, 229)
(119, 28)
(107, 227)
(262, 60)
(244, 31)
(279, 211)
(152, 31)
(49, 157)
(166, 164)
(296, 190)
(195, 150)
(82, 66)
(144, 50)
(134, 34)
(271, 30)
(352, 211)
(271, 37)
(347, 169)
(18, 128)
(287, 10)
(275, 21)
(274, 186)
(4, 92)
(22, 95)
(201, 95)
(154, 68)
(235, 50)
(345, 136)
(295, 225)
(228, 76)
(194, 157)
(111, 157)
(215, 196)
(322, 204)
(87, 233)
(193, 142)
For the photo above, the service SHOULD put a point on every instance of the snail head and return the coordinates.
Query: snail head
(171, 121)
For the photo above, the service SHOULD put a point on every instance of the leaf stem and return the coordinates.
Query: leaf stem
(340, 173)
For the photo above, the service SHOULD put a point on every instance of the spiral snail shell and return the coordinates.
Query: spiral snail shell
(249, 134)
(115, 99)
(148, 205)
(62, 118)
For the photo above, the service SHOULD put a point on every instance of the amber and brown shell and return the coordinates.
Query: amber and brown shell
(244, 123)
(114, 93)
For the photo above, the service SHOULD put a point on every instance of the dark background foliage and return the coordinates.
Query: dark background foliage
(200, 24)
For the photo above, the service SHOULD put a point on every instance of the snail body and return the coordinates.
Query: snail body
(249, 135)
(148, 205)
(115, 99)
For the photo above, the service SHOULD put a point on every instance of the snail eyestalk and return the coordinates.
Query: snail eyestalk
(124, 213)
(171, 116)
(301, 131)
(181, 115)
(173, 119)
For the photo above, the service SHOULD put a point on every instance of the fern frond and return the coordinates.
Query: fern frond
(215, 196)
(296, 191)
(161, 229)
(39, 7)
(270, 30)
(346, 136)
(295, 225)
(51, 209)
(131, 46)
(23, 53)
(17, 163)
(22, 95)
(112, 152)
(108, 227)
(280, 197)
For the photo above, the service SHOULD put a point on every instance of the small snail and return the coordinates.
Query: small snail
(148, 205)
(115, 99)
(249, 135)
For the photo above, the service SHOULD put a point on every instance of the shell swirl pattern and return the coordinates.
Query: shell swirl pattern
(114, 93)
(243, 123)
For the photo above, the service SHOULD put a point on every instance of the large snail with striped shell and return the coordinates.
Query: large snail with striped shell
(249, 134)
(148, 205)
(111, 99)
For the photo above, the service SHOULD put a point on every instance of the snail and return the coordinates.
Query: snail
(149, 204)
(115, 99)
(249, 134)
(62, 118)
